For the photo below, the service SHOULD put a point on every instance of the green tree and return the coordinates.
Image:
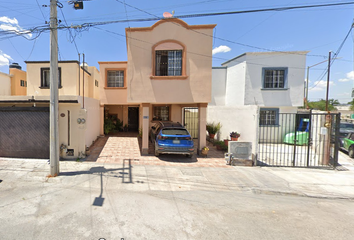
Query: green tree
(351, 104)
(321, 104)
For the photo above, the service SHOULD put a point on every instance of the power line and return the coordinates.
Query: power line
(88, 25)
(41, 10)
(71, 36)
(207, 56)
(334, 56)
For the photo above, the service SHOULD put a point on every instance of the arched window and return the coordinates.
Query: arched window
(169, 60)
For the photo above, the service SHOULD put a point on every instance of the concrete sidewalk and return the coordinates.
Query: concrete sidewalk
(124, 201)
(271, 180)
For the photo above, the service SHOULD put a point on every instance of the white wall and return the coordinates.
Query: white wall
(77, 133)
(5, 83)
(93, 121)
(295, 62)
(235, 84)
(242, 119)
(218, 89)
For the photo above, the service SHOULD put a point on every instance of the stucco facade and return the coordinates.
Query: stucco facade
(18, 82)
(78, 99)
(146, 89)
(5, 82)
(241, 88)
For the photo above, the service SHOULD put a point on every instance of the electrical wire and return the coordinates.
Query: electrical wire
(70, 33)
(86, 26)
(334, 56)
(40, 10)
(148, 49)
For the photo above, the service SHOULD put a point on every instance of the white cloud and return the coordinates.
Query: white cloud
(11, 25)
(9, 20)
(221, 49)
(349, 77)
(320, 86)
(344, 80)
(4, 59)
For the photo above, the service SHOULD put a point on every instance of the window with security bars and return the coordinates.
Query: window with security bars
(168, 63)
(161, 113)
(274, 78)
(115, 78)
(268, 117)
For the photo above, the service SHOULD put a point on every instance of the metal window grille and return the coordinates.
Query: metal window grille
(168, 63)
(268, 117)
(115, 79)
(161, 113)
(274, 78)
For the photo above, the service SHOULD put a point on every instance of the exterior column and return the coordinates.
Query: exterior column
(101, 120)
(145, 130)
(202, 119)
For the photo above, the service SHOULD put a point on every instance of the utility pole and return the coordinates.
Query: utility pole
(328, 74)
(54, 105)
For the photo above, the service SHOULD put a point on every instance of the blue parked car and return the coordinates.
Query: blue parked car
(171, 138)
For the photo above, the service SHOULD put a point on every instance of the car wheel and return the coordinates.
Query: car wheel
(351, 152)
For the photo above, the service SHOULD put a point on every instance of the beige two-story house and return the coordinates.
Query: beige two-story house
(168, 71)
(24, 128)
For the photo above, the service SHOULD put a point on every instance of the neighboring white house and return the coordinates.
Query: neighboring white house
(251, 90)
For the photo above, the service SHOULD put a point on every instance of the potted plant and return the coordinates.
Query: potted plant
(234, 136)
(219, 145)
(212, 129)
(205, 151)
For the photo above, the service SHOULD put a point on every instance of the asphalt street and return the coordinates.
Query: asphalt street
(112, 201)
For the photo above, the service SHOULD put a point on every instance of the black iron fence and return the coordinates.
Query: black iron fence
(300, 140)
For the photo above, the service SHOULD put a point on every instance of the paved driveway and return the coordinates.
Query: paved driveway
(120, 147)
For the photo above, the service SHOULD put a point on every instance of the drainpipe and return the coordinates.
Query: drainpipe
(79, 74)
(83, 80)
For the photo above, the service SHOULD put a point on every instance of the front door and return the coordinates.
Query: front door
(133, 119)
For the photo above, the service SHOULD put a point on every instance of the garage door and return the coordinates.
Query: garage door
(24, 132)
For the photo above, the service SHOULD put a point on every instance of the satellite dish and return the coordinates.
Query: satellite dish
(167, 15)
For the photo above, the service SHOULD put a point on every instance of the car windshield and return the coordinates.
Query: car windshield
(174, 131)
(346, 126)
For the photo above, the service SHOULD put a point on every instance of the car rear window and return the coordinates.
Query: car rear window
(175, 131)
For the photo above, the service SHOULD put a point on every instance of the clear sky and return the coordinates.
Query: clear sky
(318, 30)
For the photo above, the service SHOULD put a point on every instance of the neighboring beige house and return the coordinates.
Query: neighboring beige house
(14, 83)
(25, 119)
(5, 83)
(169, 68)
(18, 80)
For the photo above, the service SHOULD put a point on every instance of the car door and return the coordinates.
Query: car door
(348, 141)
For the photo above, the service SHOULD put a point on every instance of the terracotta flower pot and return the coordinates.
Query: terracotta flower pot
(226, 141)
(211, 135)
(234, 139)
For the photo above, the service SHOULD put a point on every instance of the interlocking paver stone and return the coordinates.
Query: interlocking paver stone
(116, 148)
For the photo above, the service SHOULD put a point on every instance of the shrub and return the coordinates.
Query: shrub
(213, 128)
